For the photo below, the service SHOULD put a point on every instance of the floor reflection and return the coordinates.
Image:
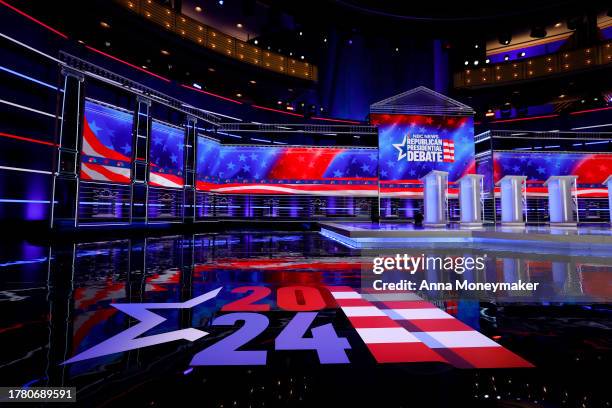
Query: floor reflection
(56, 302)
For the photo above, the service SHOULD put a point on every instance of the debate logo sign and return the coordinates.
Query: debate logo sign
(425, 147)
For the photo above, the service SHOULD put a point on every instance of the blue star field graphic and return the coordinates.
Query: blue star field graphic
(166, 149)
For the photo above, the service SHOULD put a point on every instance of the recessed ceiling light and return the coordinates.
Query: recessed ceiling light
(239, 25)
(562, 96)
(104, 24)
(144, 66)
(81, 42)
(239, 95)
(558, 25)
(301, 57)
(252, 81)
(211, 69)
(198, 9)
(255, 42)
(165, 52)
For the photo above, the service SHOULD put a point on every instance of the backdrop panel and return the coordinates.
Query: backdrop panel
(107, 144)
(250, 169)
(166, 155)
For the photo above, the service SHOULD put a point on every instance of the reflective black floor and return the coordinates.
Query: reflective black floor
(55, 302)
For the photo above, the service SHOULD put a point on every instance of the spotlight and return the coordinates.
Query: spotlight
(324, 40)
(198, 9)
(522, 54)
(164, 52)
(396, 49)
(196, 85)
(557, 25)
(538, 32)
(252, 81)
(301, 57)
(487, 61)
(239, 95)
(506, 57)
(239, 25)
(104, 24)
(466, 63)
(475, 45)
(350, 42)
(301, 33)
(279, 102)
(255, 42)
(220, 2)
(476, 62)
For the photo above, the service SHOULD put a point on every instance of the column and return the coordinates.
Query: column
(562, 209)
(608, 182)
(65, 188)
(470, 191)
(512, 205)
(190, 161)
(140, 160)
(435, 198)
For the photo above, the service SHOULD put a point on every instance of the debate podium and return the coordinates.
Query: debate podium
(512, 200)
(608, 182)
(470, 204)
(435, 199)
(562, 207)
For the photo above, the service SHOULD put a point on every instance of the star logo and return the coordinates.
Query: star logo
(129, 339)
(402, 148)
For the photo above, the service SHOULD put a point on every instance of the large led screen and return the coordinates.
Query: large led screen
(591, 168)
(286, 169)
(166, 155)
(107, 144)
(410, 146)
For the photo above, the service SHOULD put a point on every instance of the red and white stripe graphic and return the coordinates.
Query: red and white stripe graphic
(451, 339)
(449, 150)
(94, 148)
(165, 180)
(388, 341)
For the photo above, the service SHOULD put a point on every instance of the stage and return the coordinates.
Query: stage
(595, 240)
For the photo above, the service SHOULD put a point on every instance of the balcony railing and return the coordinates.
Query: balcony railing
(217, 41)
(531, 68)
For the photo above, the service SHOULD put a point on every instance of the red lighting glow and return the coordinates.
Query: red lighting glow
(29, 17)
(211, 94)
(126, 63)
(278, 111)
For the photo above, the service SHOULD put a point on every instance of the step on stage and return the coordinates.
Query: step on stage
(596, 240)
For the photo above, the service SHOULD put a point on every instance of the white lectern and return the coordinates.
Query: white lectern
(562, 209)
(512, 200)
(435, 198)
(470, 204)
(608, 182)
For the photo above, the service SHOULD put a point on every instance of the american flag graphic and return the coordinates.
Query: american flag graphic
(166, 155)
(591, 169)
(107, 144)
(401, 327)
(242, 169)
(449, 150)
